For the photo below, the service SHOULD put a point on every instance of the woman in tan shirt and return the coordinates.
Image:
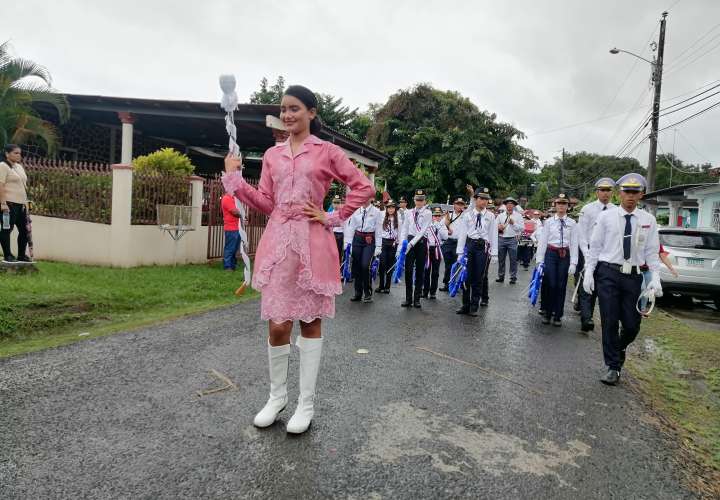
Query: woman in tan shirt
(13, 201)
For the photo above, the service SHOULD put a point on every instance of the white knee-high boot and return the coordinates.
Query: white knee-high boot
(310, 353)
(278, 360)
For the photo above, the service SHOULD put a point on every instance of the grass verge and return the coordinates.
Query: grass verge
(678, 372)
(56, 305)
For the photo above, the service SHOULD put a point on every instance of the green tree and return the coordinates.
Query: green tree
(541, 195)
(440, 141)
(269, 94)
(164, 161)
(24, 84)
(671, 171)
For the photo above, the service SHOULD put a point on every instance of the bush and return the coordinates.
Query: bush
(165, 161)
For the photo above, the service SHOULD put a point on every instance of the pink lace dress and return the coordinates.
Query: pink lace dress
(296, 267)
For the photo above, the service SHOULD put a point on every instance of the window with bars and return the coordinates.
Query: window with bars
(715, 216)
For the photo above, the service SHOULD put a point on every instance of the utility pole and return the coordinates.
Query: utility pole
(657, 81)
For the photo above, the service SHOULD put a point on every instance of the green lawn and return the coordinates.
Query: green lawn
(680, 376)
(55, 305)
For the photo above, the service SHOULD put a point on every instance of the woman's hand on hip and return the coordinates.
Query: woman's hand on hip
(314, 213)
(232, 163)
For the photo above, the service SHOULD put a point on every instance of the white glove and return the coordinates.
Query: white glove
(588, 282)
(655, 285)
(459, 257)
(377, 252)
(572, 269)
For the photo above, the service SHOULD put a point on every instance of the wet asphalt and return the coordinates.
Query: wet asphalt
(441, 406)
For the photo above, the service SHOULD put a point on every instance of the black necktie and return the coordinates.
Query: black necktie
(416, 217)
(627, 237)
(362, 223)
(604, 207)
(478, 221)
(562, 234)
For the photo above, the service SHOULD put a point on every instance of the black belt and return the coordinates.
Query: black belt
(388, 242)
(476, 241)
(371, 233)
(410, 238)
(618, 267)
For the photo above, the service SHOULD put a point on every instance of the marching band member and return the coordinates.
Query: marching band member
(339, 231)
(558, 250)
(622, 240)
(389, 236)
(451, 220)
(414, 229)
(437, 233)
(478, 234)
(510, 225)
(364, 230)
(586, 222)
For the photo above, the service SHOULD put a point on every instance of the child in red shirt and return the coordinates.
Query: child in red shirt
(231, 217)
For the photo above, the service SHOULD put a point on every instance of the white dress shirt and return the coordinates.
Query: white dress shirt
(437, 233)
(606, 243)
(365, 220)
(470, 227)
(538, 230)
(586, 222)
(391, 233)
(559, 232)
(453, 221)
(513, 223)
(417, 221)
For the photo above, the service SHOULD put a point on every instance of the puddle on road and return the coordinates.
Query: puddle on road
(404, 431)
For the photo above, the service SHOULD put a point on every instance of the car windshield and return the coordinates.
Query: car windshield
(689, 239)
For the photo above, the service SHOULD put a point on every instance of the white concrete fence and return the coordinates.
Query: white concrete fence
(120, 243)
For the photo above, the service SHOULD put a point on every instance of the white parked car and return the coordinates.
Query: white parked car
(695, 255)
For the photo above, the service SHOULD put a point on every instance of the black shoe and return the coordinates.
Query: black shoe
(24, 258)
(463, 310)
(587, 326)
(9, 259)
(424, 295)
(556, 322)
(444, 288)
(386, 290)
(612, 377)
(417, 303)
(500, 280)
(356, 298)
(484, 303)
(379, 290)
(473, 311)
(367, 298)
(432, 296)
(541, 312)
(406, 303)
(526, 267)
(513, 281)
(546, 320)
(576, 306)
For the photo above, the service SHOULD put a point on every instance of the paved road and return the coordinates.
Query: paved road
(503, 407)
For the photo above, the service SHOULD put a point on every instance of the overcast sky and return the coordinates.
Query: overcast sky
(539, 65)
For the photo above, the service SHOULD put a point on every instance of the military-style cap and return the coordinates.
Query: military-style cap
(561, 198)
(632, 182)
(390, 203)
(491, 204)
(511, 200)
(337, 199)
(605, 183)
(402, 200)
(419, 194)
(459, 199)
(438, 211)
(482, 193)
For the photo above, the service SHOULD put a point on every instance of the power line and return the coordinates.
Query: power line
(691, 104)
(712, 49)
(692, 116)
(691, 98)
(684, 51)
(693, 147)
(672, 164)
(644, 93)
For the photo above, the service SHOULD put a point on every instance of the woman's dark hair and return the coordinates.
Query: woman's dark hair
(9, 148)
(394, 217)
(306, 96)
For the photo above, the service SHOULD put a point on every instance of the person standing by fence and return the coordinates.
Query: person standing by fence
(13, 204)
(231, 224)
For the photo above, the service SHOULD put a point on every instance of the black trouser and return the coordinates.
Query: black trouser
(17, 219)
(363, 248)
(477, 263)
(618, 294)
(415, 262)
(586, 300)
(449, 249)
(555, 277)
(339, 242)
(525, 254)
(430, 282)
(387, 259)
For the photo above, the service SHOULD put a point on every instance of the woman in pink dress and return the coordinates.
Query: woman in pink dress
(296, 259)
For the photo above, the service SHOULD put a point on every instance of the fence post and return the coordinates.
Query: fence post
(196, 183)
(122, 176)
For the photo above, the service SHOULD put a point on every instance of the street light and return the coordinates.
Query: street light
(615, 50)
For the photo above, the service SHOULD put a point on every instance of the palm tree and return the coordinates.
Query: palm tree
(24, 83)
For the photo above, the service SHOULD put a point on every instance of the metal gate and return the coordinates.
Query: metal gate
(213, 192)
